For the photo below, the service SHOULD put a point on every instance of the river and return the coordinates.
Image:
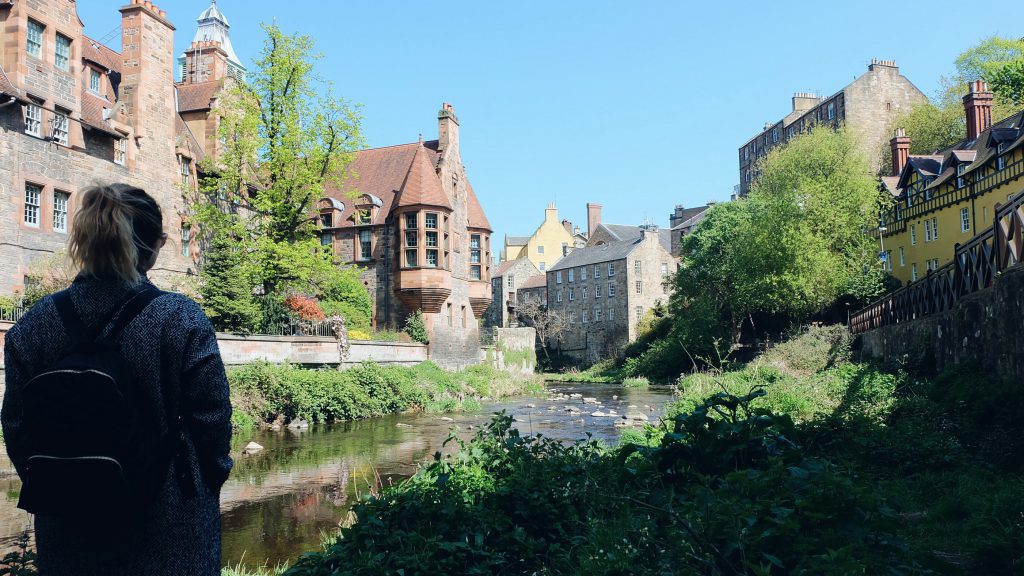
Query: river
(284, 500)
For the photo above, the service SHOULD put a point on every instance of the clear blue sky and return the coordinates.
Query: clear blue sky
(638, 105)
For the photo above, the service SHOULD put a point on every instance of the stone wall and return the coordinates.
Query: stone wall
(315, 350)
(985, 328)
(514, 350)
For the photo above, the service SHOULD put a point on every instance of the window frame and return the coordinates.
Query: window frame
(185, 236)
(366, 245)
(38, 43)
(58, 56)
(33, 201)
(965, 220)
(60, 214)
(35, 119)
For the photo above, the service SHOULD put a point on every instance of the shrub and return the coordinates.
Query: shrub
(636, 382)
(304, 307)
(416, 327)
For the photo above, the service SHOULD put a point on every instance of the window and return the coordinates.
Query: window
(572, 317)
(584, 317)
(664, 269)
(913, 271)
(475, 270)
(572, 294)
(558, 277)
(32, 195)
(410, 258)
(558, 296)
(611, 314)
(639, 287)
(410, 221)
(935, 229)
(60, 127)
(475, 273)
(431, 239)
(775, 135)
(540, 249)
(927, 230)
(597, 271)
(597, 313)
(636, 266)
(913, 235)
(186, 171)
(62, 53)
(583, 273)
(543, 266)
(1000, 162)
(639, 313)
(430, 221)
(326, 220)
(888, 260)
(432, 261)
(411, 239)
(965, 220)
(94, 81)
(831, 110)
(326, 239)
(463, 316)
(572, 274)
(565, 248)
(363, 216)
(903, 261)
(960, 180)
(449, 314)
(34, 45)
(33, 119)
(60, 211)
(120, 150)
(511, 280)
(611, 290)
(366, 245)
(186, 239)
(597, 290)
(583, 295)
(611, 269)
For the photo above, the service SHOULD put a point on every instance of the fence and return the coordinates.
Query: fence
(299, 328)
(11, 313)
(974, 267)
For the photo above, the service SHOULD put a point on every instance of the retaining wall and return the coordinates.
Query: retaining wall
(514, 350)
(985, 328)
(315, 350)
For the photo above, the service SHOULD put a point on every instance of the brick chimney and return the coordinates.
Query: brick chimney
(978, 108)
(593, 218)
(147, 84)
(447, 129)
(900, 146)
(567, 225)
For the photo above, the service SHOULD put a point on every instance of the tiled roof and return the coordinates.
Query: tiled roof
(197, 97)
(538, 281)
(964, 155)
(596, 254)
(476, 217)
(6, 86)
(891, 184)
(517, 240)
(421, 185)
(92, 112)
(100, 54)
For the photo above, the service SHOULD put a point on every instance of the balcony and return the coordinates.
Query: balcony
(424, 288)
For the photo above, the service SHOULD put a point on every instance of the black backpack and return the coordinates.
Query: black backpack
(90, 449)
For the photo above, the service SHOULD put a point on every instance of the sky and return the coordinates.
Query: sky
(638, 105)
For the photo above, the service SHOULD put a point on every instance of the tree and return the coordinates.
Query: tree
(227, 289)
(549, 325)
(284, 138)
(1008, 82)
(792, 247)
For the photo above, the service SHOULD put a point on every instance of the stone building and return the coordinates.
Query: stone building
(75, 113)
(408, 217)
(868, 106)
(603, 290)
(552, 240)
(506, 279)
(533, 289)
(932, 203)
(682, 221)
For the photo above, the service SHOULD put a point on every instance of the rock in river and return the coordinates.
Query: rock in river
(251, 448)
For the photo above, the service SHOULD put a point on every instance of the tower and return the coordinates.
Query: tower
(211, 55)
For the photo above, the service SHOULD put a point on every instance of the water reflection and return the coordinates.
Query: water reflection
(284, 500)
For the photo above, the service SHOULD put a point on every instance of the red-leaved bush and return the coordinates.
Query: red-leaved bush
(305, 307)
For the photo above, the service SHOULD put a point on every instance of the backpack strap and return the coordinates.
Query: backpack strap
(132, 308)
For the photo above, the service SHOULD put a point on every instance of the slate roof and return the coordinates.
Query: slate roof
(421, 185)
(475, 212)
(197, 97)
(693, 220)
(92, 112)
(596, 254)
(517, 240)
(623, 232)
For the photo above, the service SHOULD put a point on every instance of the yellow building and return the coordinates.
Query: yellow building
(940, 200)
(552, 240)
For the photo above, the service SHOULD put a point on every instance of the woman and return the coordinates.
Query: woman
(170, 351)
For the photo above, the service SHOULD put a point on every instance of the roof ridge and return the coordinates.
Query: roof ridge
(395, 146)
(98, 44)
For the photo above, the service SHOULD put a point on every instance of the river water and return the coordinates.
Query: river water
(284, 500)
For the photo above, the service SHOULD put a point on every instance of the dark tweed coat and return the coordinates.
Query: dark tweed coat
(170, 346)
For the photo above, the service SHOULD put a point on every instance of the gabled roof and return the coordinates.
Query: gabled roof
(505, 267)
(93, 106)
(693, 220)
(623, 232)
(926, 166)
(538, 281)
(891, 185)
(422, 187)
(596, 254)
(197, 97)
(475, 212)
(964, 155)
(104, 56)
(517, 240)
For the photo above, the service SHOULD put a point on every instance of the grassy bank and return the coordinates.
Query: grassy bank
(263, 392)
(802, 462)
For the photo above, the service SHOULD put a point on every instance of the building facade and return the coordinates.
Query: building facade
(603, 290)
(549, 242)
(533, 289)
(681, 222)
(409, 218)
(868, 106)
(76, 113)
(506, 280)
(933, 202)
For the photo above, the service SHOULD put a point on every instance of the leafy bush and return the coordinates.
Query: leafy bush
(416, 327)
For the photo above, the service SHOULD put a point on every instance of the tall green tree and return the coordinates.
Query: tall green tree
(284, 137)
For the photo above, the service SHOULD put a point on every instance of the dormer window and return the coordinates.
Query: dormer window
(95, 81)
(1001, 147)
(326, 220)
(363, 216)
(960, 180)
